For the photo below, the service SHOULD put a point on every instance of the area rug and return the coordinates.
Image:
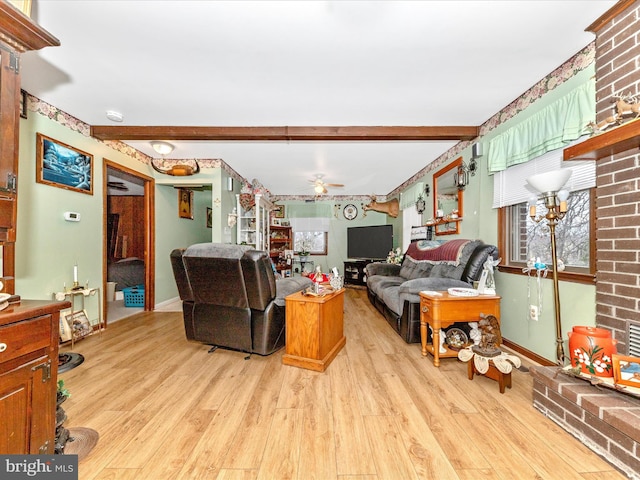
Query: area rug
(81, 442)
(69, 360)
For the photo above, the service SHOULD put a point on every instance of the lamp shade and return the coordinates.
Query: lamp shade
(163, 148)
(549, 181)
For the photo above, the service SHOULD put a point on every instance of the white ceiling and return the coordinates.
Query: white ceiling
(305, 63)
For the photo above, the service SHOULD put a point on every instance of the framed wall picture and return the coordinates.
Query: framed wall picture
(626, 370)
(209, 217)
(185, 203)
(278, 211)
(63, 166)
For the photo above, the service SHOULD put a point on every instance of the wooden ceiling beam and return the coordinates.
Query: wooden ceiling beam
(114, 132)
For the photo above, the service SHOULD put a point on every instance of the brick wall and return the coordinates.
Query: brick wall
(605, 421)
(618, 180)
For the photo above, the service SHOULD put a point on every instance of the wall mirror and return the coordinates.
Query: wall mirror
(447, 200)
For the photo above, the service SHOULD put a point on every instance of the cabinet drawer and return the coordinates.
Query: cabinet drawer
(24, 337)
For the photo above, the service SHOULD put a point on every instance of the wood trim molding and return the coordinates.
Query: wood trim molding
(609, 15)
(21, 32)
(614, 141)
(527, 353)
(285, 133)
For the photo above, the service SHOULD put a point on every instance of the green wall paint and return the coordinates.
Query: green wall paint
(577, 300)
(47, 246)
(337, 247)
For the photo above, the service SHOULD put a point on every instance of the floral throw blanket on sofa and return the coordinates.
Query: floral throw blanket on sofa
(449, 252)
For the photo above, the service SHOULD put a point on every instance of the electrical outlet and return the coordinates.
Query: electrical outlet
(533, 312)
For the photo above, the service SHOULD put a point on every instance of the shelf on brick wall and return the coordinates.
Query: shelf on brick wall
(620, 139)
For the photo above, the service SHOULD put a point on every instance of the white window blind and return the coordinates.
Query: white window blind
(309, 224)
(510, 186)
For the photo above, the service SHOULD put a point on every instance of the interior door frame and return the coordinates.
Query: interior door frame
(149, 234)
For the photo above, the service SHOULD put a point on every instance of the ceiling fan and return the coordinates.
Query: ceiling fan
(320, 187)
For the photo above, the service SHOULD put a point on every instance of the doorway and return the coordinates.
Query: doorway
(128, 242)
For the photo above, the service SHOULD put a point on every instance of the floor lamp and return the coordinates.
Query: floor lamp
(550, 187)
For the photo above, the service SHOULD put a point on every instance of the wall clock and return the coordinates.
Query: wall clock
(350, 211)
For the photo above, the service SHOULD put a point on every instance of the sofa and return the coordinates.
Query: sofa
(231, 297)
(427, 265)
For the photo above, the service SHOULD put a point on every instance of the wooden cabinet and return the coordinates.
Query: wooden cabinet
(354, 273)
(253, 221)
(314, 330)
(28, 376)
(17, 35)
(281, 240)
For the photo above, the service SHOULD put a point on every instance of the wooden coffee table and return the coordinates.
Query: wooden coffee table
(443, 310)
(314, 330)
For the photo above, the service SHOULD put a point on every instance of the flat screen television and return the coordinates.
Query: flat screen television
(373, 242)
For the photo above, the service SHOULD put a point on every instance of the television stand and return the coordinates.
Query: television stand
(354, 273)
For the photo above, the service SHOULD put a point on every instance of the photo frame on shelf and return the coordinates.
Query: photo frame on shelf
(626, 370)
(275, 222)
(79, 324)
(209, 217)
(185, 203)
(278, 211)
(63, 166)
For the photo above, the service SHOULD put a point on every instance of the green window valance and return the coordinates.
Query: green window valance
(410, 195)
(552, 127)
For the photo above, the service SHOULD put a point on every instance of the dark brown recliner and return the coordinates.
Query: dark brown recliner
(231, 297)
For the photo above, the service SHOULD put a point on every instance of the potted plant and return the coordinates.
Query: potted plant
(62, 393)
(305, 251)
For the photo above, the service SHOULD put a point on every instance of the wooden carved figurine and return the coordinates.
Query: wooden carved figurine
(490, 338)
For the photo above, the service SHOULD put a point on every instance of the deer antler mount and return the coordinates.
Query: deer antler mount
(179, 170)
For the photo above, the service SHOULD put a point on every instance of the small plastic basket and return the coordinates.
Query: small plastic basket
(134, 296)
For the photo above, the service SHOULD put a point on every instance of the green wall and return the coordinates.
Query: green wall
(337, 247)
(47, 246)
(480, 221)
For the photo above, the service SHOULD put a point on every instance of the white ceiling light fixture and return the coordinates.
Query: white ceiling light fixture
(114, 116)
(163, 148)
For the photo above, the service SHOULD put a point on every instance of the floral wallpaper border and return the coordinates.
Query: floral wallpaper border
(564, 72)
(34, 104)
(575, 64)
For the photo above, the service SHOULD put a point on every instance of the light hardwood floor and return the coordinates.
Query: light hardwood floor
(166, 409)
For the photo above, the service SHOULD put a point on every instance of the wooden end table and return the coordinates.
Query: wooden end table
(314, 330)
(442, 310)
